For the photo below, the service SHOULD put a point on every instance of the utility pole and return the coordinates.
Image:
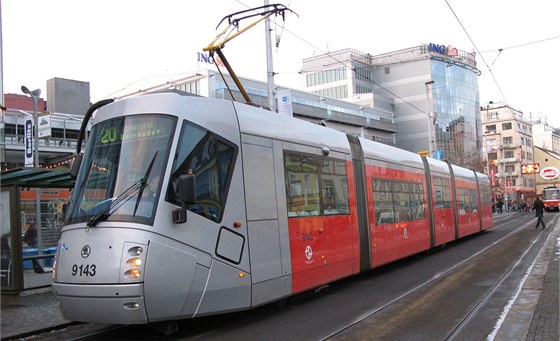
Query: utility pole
(269, 66)
(430, 124)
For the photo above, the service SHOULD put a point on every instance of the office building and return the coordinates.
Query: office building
(431, 89)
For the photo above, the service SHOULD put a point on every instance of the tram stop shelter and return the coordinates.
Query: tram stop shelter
(31, 216)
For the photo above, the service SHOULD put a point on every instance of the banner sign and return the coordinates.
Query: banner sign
(285, 102)
(44, 124)
(28, 143)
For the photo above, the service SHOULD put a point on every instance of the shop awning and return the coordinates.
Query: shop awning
(37, 177)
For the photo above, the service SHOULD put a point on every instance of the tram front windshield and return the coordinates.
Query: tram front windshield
(122, 171)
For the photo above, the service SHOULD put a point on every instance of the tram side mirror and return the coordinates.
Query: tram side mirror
(186, 195)
(76, 166)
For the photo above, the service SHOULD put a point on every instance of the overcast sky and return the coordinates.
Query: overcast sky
(115, 44)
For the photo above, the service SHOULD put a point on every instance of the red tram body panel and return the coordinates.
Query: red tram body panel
(398, 234)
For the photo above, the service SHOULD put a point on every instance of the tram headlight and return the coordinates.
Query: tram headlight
(53, 273)
(134, 257)
(135, 251)
(134, 262)
(133, 274)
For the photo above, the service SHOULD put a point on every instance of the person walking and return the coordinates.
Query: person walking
(499, 205)
(538, 206)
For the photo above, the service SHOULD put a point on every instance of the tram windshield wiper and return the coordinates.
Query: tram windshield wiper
(144, 183)
(117, 202)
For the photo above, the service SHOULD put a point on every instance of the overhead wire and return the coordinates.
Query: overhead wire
(347, 66)
(478, 51)
(522, 45)
(365, 76)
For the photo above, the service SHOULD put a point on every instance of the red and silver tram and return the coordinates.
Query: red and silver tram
(186, 206)
(551, 198)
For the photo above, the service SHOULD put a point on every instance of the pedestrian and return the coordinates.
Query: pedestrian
(30, 237)
(500, 204)
(538, 206)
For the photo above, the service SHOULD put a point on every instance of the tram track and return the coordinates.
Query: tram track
(490, 292)
(460, 296)
(374, 322)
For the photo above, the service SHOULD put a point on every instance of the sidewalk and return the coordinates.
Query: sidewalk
(30, 312)
(533, 314)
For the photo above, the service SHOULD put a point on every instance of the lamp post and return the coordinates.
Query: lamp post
(35, 97)
(430, 137)
(502, 149)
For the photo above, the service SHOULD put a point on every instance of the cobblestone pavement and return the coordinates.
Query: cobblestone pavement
(29, 313)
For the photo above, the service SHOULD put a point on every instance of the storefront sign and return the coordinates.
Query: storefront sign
(549, 173)
(530, 168)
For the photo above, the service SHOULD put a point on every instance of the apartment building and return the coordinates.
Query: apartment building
(508, 145)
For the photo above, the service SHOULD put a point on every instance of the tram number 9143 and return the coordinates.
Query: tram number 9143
(84, 270)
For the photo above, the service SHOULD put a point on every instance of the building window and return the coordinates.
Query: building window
(325, 76)
(491, 128)
(508, 154)
(337, 92)
(510, 169)
(493, 115)
(506, 126)
(492, 156)
(508, 141)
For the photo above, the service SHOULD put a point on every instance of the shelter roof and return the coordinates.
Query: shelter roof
(37, 177)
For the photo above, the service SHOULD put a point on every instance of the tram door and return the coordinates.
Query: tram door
(268, 246)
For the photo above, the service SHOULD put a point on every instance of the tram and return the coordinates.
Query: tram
(186, 206)
(551, 198)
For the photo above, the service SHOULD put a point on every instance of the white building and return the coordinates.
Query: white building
(544, 136)
(508, 144)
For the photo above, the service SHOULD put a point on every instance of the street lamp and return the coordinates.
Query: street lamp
(430, 128)
(35, 97)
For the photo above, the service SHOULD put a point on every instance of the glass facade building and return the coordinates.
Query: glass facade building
(433, 91)
(456, 111)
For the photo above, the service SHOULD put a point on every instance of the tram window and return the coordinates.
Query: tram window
(466, 200)
(473, 200)
(442, 191)
(383, 202)
(396, 201)
(315, 186)
(210, 159)
(485, 195)
(302, 177)
(334, 186)
(417, 203)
